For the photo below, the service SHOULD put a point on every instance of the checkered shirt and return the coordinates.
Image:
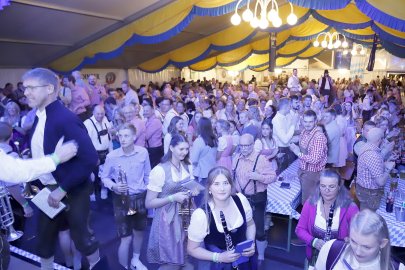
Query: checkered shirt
(317, 150)
(370, 166)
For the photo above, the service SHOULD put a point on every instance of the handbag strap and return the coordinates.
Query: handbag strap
(335, 251)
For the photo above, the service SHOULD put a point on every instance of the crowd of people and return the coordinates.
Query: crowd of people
(142, 147)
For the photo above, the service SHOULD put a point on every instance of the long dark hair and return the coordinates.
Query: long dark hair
(204, 129)
(171, 129)
(176, 140)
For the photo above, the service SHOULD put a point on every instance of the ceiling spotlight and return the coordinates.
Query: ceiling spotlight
(345, 52)
(235, 19)
(247, 15)
(254, 22)
(316, 43)
(337, 43)
(345, 44)
(292, 19)
(263, 24)
(324, 44)
(277, 22)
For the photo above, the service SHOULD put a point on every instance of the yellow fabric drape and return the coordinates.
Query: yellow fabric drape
(308, 28)
(155, 23)
(390, 30)
(349, 14)
(395, 8)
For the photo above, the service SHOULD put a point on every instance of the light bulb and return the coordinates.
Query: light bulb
(337, 43)
(363, 52)
(324, 44)
(353, 52)
(263, 23)
(254, 22)
(235, 19)
(272, 14)
(345, 52)
(277, 22)
(345, 44)
(330, 46)
(316, 43)
(247, 15)
(292, 19)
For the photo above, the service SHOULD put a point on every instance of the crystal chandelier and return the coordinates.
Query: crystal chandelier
(358, 49)
(332, 41)
(263, 14)
(4, 3)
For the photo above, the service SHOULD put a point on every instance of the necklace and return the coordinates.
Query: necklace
(178, 168)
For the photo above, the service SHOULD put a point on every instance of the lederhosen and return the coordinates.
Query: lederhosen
(103, 153)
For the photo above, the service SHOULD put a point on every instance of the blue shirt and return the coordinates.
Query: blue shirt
(136, 166)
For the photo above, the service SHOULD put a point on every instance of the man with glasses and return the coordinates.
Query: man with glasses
(70, 181)
(98, 128)
(312, 153)
(164, 105)
(252, 173)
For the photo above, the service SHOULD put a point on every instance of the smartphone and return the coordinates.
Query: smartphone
(285, 185)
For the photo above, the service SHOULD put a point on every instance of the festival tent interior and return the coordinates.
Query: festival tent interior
(154, 40)
(197, 35)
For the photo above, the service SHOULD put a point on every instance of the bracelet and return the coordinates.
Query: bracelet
(25, 204)
(55, 159)
(215, 257)
(314, 242)
(170, 197)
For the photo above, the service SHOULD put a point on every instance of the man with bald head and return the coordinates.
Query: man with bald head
(98, 128)
(372, 171)
(97, 92)
(252, 173)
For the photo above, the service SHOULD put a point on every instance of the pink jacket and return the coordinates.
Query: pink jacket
(307, 220)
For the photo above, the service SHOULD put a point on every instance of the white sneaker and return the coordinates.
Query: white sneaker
(137, 264)
(103, 193)
(92, 197)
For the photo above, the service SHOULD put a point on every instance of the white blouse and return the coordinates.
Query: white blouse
(198, 228)
(157, 177)
(323, 255)
(320, 221)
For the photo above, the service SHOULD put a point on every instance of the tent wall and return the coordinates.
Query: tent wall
(135, 76)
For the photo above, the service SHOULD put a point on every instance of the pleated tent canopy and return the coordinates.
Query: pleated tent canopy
(198, 34)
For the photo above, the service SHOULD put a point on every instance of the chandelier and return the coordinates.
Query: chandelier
(358, 49)
(4, 3)
(263, 14)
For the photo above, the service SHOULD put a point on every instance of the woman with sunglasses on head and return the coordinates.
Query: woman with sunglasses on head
(368, 248)
(326, 214)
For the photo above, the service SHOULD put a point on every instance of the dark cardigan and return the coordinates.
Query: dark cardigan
(62, 122)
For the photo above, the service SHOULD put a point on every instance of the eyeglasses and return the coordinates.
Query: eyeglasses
(330, 187)
(245, 145)
(32, 87)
